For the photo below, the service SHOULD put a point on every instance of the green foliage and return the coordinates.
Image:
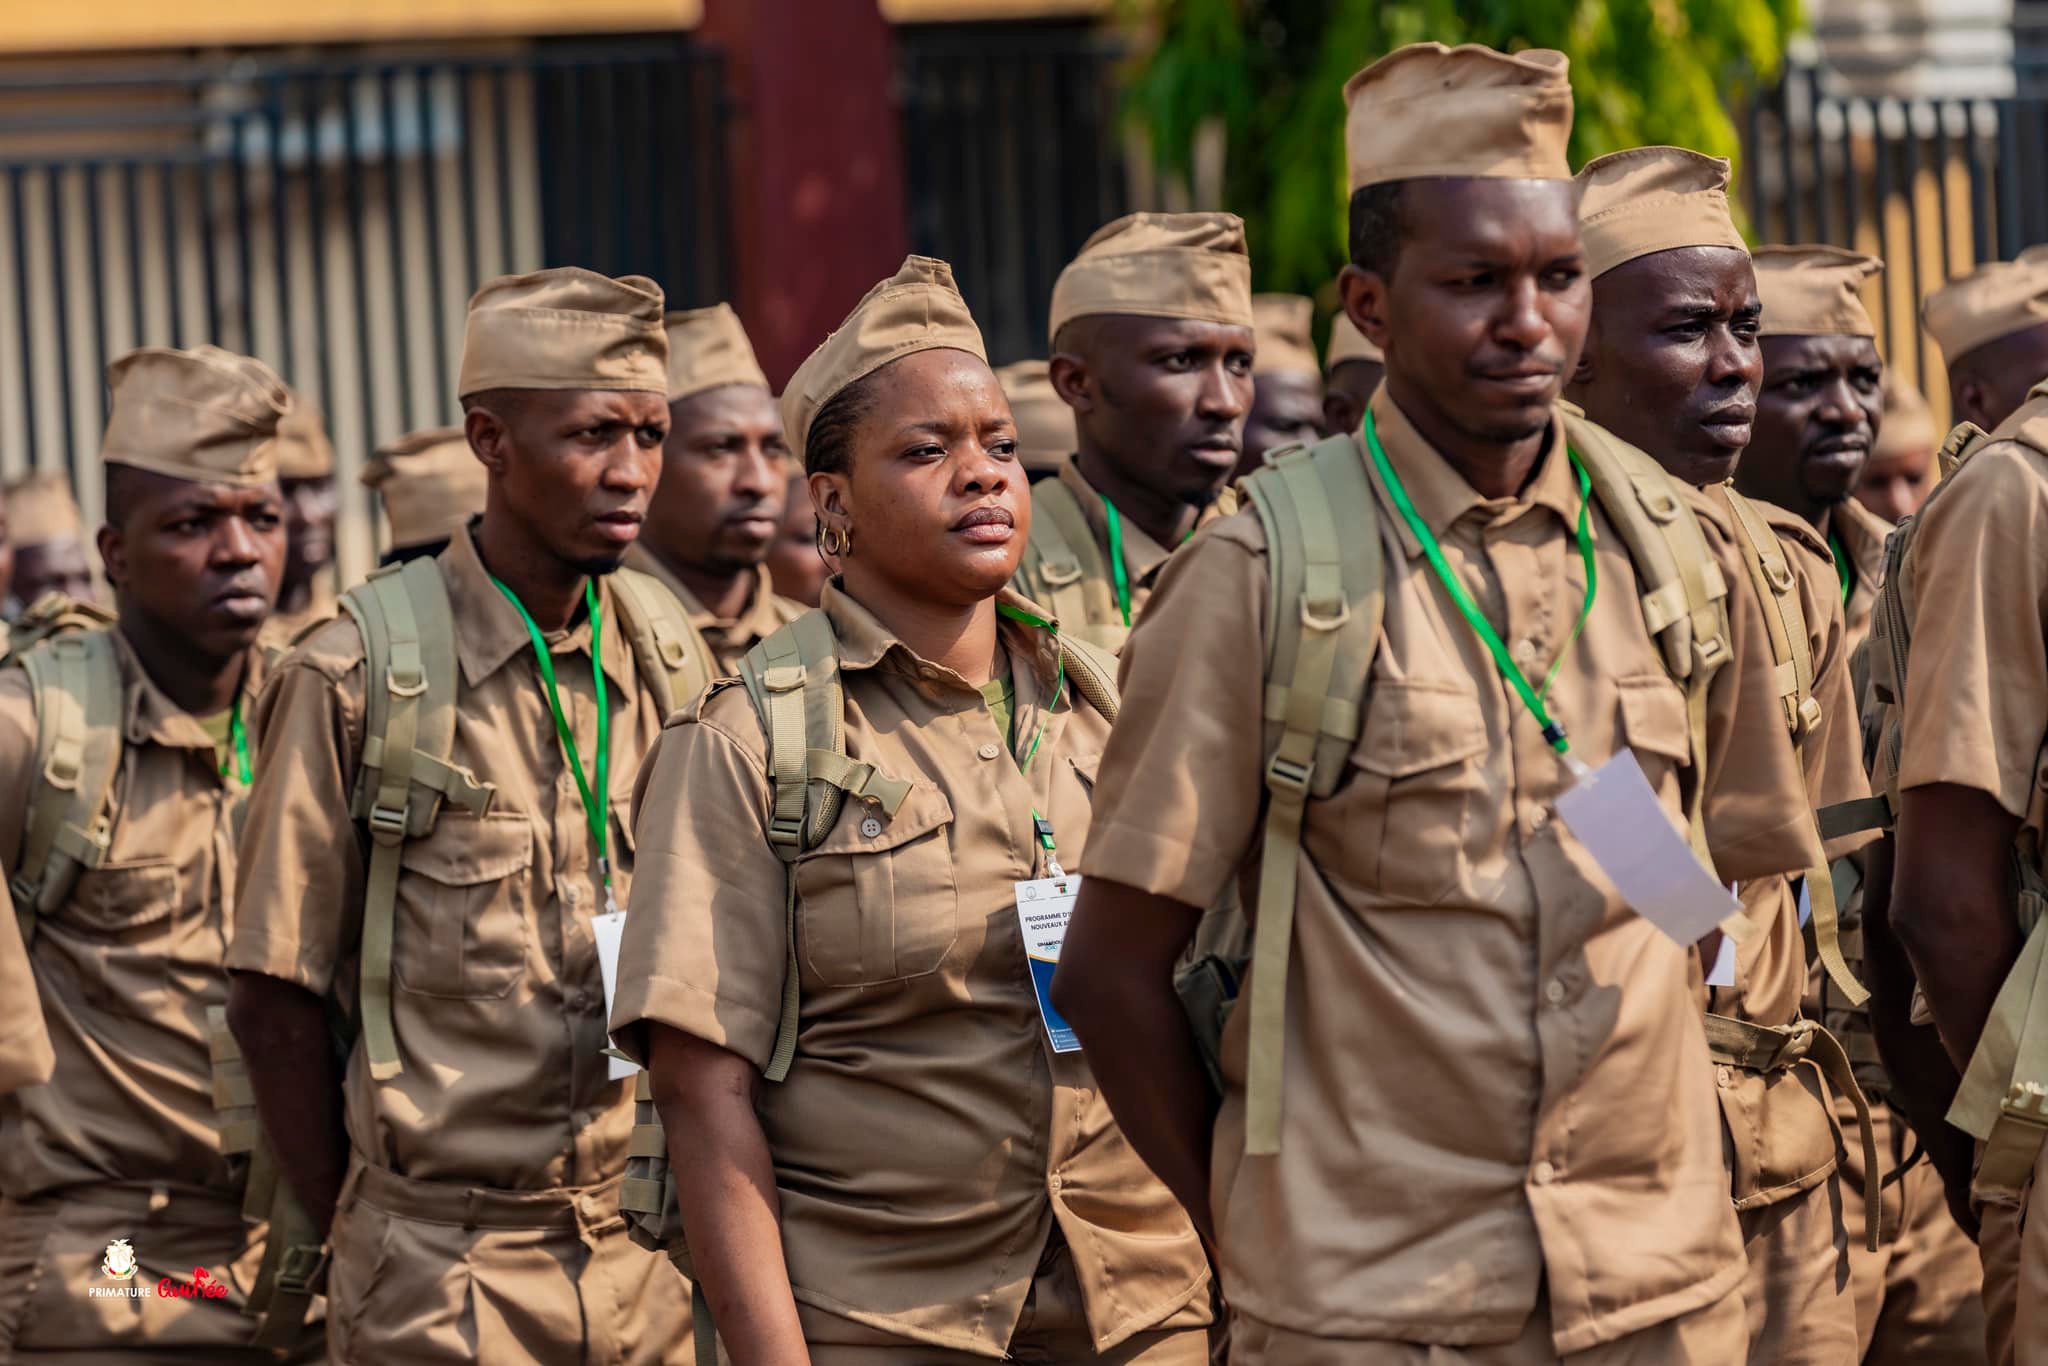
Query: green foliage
(1643, 71)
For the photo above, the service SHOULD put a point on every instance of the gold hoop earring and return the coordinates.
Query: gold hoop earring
(836, 541)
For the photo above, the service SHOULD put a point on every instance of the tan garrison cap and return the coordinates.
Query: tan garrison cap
(1992, 301)
(565, 329)
(303, 450)
(40, 510)
(1045, 424)
(1651, 199)
(1348, 343)
(205, 415)
(919, 308)
(1285, 325)
(430, 484)
(1159, 265)
(707, 348)
(1813, 291)
(1907, 425)
(1429, 110)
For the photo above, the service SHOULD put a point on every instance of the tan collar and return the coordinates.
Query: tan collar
(489, 631)
(151, 717)
(1440, 494)
(1863, 535)
(757, 621)
(865, 643)
(1143, 556)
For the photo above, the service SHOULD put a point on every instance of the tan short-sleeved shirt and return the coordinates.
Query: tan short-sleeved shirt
(729, 639)
(129, 965)
(25, 1057)
(927, 1141)
(1550, 1121)
(1862, 534)
(283, 629)
(497, 999)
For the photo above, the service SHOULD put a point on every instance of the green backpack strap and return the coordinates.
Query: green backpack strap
(670, 651)
(408, 631)
(1072, 577)
(75, 679)
(1326, 600)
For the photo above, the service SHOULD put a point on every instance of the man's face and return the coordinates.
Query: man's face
(58, 566)
(1163, 399)
(310, 509)
(1346, 393)
(1895, 484)
(1672, 364)
(577, 468)
(1816, 421)
(1988, 385)
(1287, 410)
(1487, 308)
(725, 467)
(201, 562)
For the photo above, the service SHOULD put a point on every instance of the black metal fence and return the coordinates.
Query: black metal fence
(332, 216)
(1012, 158)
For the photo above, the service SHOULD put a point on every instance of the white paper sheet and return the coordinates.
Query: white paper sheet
(1615, 815)
(609, 929)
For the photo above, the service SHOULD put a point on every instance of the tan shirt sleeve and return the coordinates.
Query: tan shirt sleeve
(299, 910)
(706, 943)
(1177, 801)
(1977, 682)
(25, 1057)
(1832, 755)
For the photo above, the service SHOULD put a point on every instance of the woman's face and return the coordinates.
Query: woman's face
(933, 498)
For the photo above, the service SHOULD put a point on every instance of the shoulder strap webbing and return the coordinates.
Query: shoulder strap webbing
(76, 683)
(1325, 605)
(1777, 589)
(408, 630)
(1092, 671)
(1076, 577)
(670, 651)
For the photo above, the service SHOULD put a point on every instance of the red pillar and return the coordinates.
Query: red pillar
(816, 165)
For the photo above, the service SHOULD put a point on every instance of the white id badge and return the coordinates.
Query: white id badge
(1615, 815)
(609, 929)
(1043, 908)
(1723, 972)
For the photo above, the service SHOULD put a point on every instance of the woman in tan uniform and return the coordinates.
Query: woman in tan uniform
(937, 1179)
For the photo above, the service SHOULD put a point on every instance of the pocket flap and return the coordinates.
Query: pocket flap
(865, 828)
(464, 850)
(1653, 716)
(1087, 765)
(1412, 726)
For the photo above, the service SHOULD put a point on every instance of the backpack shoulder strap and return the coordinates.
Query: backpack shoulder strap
(76, 681)
(409, 670)
(1326, 600)
(1777, 588)
(1073, 578)
(1092, 671)
(671, 653)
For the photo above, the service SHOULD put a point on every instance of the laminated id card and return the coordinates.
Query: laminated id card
(1043, 908)
(609, 929)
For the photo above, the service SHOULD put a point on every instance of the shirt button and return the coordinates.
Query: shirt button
(1543, 1173)
(1553, 992)
(989, 751)
(1525, 648)
(870, 828)
(572, 894)
(1723, 1076)
(1540, 818)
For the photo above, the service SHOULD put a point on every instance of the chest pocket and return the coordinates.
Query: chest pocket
(876, 899)
(462, 931)
(1652, 722)
(1408, 810)
(126, 914)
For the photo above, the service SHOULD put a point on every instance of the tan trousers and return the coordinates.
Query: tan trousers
(2014, 1243)
(1052, 1332)
(1712, 1336)
(432, 1271)
(1797, 1296)
(1919, 1297)
(52, 1257)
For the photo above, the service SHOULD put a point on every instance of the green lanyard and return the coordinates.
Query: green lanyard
(1041, 828)
(1842, 572)
(240, 736)
(596, 809)
(1116, 557)
(1553, 730)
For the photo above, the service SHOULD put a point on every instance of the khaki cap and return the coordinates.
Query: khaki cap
(1159, 265)
(1427, 110)
(1992, 301)
(1651, 199)
(1284, 324)
(566, 328)
(1813, 291)
(303, 450)
(708, 348)
(1907, 424)
(1045, 424)
(205, 415)
(1347, 343)
(919, 308)
(430, 483)
(41, 510)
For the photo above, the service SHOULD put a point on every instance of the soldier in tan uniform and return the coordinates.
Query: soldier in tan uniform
(48, 537)
(25, 1057)
(1045, 424)
(1992, 327)
(936, 1180)
(1493, 1140)
(1287, 382)
(467, 1151)
(1353, 367)
(1672, 364)
(430, 485)
(796, 566)
(127, 929)
(726, 472)
(1152, 346)
(305, 471)
(1902, 470)
(1818, 414)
